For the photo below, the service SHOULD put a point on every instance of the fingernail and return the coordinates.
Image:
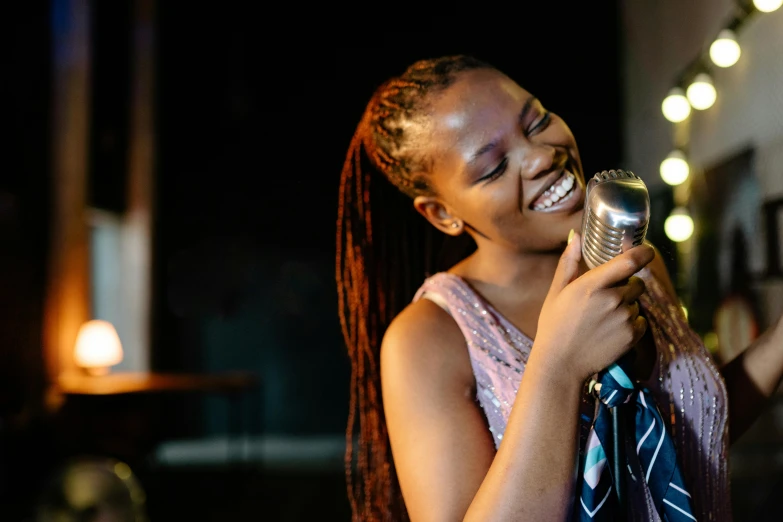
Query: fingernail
(570, 236)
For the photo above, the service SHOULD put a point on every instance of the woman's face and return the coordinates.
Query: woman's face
(502, 165)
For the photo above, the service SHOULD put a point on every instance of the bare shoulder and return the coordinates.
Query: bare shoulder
(438, 434)
(424, 342)
(658, 269)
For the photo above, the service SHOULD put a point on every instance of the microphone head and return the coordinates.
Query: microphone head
(616, 214)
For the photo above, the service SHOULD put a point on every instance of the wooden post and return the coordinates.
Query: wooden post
(67, 295)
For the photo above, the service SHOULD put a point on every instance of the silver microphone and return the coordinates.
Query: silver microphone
(615, 219)
(616, 215)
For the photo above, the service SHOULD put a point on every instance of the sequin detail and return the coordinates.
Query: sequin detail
(685, 382)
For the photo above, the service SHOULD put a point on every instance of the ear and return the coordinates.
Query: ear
(439, 215)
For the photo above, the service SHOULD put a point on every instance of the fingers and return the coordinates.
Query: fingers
(621, 267)
(634, 310)
(626, 295)
(639, 329)
(632, 290)
(568, 267)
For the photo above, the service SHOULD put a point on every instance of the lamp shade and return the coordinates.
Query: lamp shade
(97, 347)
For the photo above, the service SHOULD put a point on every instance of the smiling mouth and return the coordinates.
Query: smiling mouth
(562, 189)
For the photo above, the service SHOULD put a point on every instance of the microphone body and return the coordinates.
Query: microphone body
(615, 219)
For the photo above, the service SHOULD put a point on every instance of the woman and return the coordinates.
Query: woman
(483, 374)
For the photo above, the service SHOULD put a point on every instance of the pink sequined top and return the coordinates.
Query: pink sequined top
(689, 389)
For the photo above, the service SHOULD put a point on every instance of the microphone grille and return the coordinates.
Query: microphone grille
(608, 175)
(602, 242)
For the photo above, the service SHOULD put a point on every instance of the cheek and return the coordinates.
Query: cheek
(494, 208)
(565, 138)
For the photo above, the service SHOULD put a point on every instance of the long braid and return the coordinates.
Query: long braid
(381, 258)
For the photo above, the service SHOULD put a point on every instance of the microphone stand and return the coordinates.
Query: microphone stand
(618, 446)
(618, 450)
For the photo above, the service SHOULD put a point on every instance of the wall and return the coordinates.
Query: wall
(660, 40)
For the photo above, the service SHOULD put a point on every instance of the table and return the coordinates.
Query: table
(120, 415)
(146, 382)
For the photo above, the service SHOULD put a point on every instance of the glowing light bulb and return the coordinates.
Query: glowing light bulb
(679, 225)
(767, 6)
(97, 347)
(725, 51)
(675, 169)
(676, 107)
(701, 92)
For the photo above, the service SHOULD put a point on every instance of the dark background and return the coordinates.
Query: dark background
(254, 113)
(253, 129)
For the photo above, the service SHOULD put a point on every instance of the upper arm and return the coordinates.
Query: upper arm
(441, 446)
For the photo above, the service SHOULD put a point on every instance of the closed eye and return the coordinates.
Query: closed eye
(496, 172)
(541, 124)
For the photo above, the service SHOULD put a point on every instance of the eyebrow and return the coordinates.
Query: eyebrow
(494, 143)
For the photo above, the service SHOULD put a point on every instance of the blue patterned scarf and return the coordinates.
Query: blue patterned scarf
(654, 449)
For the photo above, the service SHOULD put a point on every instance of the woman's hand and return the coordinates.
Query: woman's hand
(589, 321)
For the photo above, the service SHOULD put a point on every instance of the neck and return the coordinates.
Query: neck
(525, 272)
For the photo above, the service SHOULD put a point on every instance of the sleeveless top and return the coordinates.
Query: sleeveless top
(687, 385)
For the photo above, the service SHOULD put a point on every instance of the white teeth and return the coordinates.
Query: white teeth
(559, 191)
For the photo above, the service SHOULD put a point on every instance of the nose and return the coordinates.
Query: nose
(539, 159)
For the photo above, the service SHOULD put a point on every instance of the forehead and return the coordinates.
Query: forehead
(477, 108)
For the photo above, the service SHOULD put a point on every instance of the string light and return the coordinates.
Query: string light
(701, 92)
(676, 107)
(675, 168)
(679, 225)
(725, 50)
(767, 6)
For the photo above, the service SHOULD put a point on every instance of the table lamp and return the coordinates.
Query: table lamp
(98, 347)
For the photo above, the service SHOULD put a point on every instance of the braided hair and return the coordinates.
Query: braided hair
(383, 252)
